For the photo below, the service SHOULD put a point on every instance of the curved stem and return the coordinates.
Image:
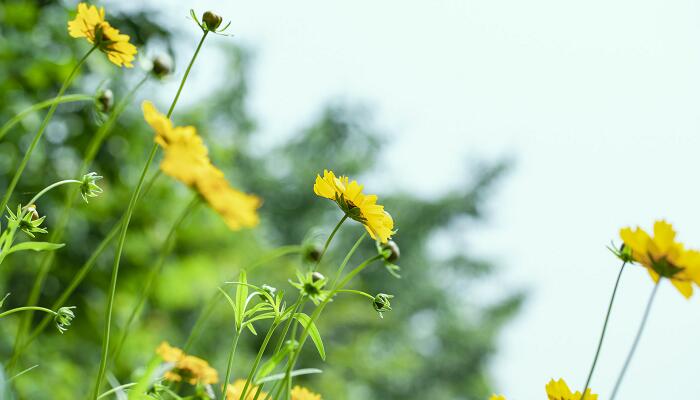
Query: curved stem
(71, 98)
(57, 233)
(229, 362)
(48, 188)
(358, 292)
(145, 293)
(28, 308)
(330, 238)
(602, 333)
(40, 132)
(347, 258)
(122, 236)
(636, 340)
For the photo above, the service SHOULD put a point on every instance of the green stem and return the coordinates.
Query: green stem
(28, 308)
(57, 233)
(602, 333)
(328, 241)
(636, 340)
(122, 236)
(40, 132)
(71, 98)
(48, 188)
(347, 258)
(258, 358)
(358, 292)
(145, 293)
(82, 272)
(229, 363)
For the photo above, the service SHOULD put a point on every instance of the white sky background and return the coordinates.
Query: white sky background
(598, 102)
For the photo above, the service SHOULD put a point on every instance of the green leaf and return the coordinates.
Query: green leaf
(296, 372)
(36, 246)
(241, 295)
(2, 301)
(305, 321)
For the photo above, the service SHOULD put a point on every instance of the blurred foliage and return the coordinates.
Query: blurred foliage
(437, 342)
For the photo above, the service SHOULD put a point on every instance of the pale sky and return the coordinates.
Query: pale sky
(597, 101)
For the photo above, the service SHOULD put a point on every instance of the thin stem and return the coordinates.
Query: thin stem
(258, 358)
(145, 293)
(328, 241)
(57, 233)
(636, 340)
(187, 73)
(122, 236)
(229, 363)
(602, 333)
(40, 132)
(347, 258)
(27, 308)
(358, 292)
(71, 98)
(50, 187)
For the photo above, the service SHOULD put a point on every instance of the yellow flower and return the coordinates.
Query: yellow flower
(559, 390)
(190, 369)
(663, 256)
(186, 159)
(302, 393)
(497, 397)
(357, 205)
(90, 23)
(238, 209)
(234, 391)
(169, 353)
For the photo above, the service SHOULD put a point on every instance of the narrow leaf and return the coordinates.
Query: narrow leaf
(241, 295)
(305, 321)
(36, 246)
(296, 372)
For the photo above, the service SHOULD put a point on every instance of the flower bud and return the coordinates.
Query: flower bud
(312, 252)
(63, 318)
(105, 100)
(381, 303)
(162, 66)
(88, 186)
(211, 21)
(31, 209)
(317, 276)
(391, 251)
(269, 290)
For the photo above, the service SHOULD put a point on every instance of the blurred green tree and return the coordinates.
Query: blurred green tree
(435, 344)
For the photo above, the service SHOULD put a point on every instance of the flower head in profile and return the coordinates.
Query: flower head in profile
(186, 159)
(663, 256)
(302, 393)
(357, 205)
(90, 23)
(559, 390)
(186, 368)
(235, 389)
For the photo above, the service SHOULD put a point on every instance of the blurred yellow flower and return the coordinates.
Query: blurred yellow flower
(169, 353)
(663, 256)
(559, 390)
(497, 397)
(357, 205)
(302, 393)
(190, 369)
(238, 209)
(90, 23)
(234, 391)
(186, 159)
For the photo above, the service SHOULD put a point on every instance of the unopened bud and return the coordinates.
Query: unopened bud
(31, 209)
(391, 251)
(381, 303)
(105, 100)
(317, 276)
(211, 20)
(162, 66)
